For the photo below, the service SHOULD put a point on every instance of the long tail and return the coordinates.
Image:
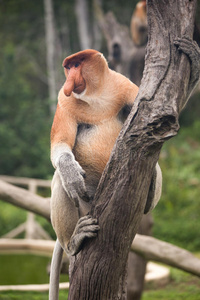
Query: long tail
(55, 271)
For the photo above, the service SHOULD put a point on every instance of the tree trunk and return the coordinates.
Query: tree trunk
(99, 271)
(96, 30)
(82, 15)
(128, 59)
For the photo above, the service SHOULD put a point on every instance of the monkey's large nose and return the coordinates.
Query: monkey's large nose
(68, 87)
(70, 82)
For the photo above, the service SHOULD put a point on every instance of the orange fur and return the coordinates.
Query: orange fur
(99, 104)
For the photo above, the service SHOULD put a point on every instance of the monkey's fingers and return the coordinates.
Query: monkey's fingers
(73, 182)
(86, 227)
(85, 221)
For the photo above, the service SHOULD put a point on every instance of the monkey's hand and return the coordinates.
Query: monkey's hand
(72, 177)
(86, 227)
(192, 50)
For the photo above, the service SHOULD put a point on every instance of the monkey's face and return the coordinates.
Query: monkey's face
(73, 65)
(84, 72)
(74, 79)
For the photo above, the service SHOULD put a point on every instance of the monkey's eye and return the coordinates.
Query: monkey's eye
(77, 65)
(67, 67)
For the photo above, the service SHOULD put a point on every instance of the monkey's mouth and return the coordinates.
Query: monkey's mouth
(79, 88)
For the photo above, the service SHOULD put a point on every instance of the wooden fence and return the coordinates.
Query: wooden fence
(31, 227)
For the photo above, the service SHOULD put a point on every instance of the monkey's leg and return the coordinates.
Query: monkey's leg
(192, 50)
(70, 230)
(55, 271)
(64, 213)
(154, 190)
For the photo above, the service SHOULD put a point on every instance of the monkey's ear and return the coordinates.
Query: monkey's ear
(79, 56)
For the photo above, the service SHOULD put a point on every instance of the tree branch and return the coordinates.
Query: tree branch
(163, 252)
(25, 199)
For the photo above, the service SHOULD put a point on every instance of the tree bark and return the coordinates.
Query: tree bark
(123, 189)
(128, 59)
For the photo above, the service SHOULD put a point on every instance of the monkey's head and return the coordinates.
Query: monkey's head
(139, 24)
(83, 71)
(141, 5)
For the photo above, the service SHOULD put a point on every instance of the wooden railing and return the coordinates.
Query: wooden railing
(31, 227)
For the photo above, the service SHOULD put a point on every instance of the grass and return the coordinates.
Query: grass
(182, 286)
(29, 296)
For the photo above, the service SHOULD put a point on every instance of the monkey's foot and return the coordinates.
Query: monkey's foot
(86, 227)
(192, 50)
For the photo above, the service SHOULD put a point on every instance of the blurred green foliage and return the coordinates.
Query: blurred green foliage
(24, 121)
(10, 217)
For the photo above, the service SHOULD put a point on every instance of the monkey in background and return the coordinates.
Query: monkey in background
(139, 24)
(138, 29)
(92, 106)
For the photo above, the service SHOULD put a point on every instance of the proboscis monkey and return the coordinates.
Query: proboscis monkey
(139, 24)
(92, 106)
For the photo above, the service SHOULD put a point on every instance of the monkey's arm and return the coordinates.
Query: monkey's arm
(63, 135)
(192, 50)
